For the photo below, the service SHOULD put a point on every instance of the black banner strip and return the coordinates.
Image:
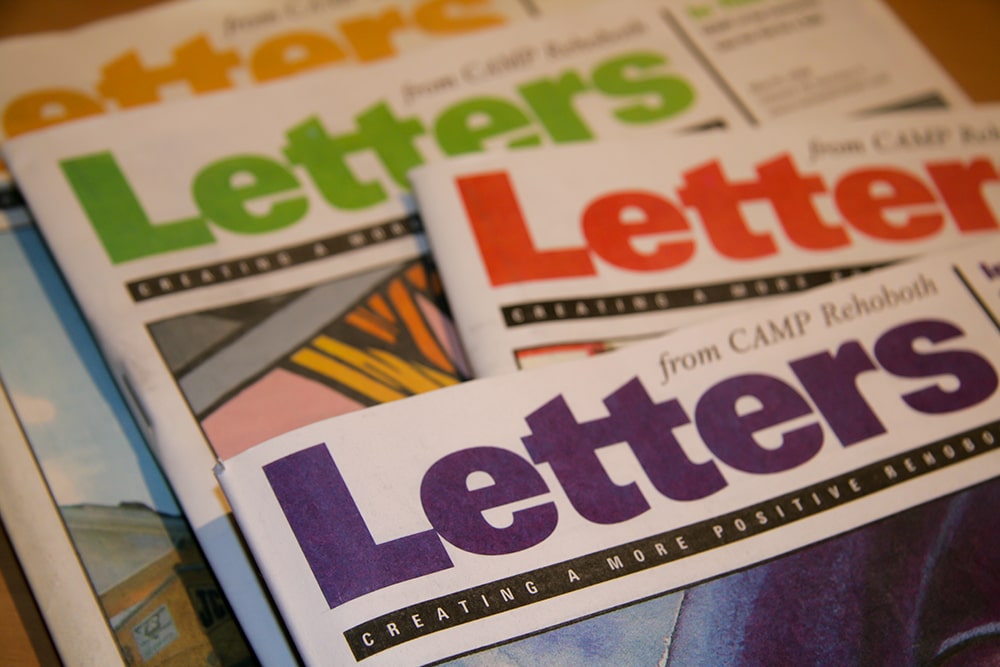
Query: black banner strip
(638, 303)
(448, 611)
(237, 268)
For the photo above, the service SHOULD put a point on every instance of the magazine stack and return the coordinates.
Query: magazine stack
(479, 332)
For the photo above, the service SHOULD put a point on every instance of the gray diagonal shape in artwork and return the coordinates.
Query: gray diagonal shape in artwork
(273, 338)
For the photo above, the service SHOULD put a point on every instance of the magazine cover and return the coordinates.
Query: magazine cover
(248, 260)
(571, 251)
(190, 47)
(598, 493)
(113, 564)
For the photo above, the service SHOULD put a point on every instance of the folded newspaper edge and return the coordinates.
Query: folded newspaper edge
(473, 515)
(58, 582)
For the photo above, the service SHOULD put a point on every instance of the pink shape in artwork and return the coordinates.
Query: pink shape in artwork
(278, 402)
(445, 332)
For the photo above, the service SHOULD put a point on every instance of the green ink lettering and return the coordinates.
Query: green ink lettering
(117, 216)
(616, 77)
(393, 140)
(465, 127)
(223, 190)
(325, 157)
(552, 102)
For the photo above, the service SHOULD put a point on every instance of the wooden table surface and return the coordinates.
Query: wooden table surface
(23, 638)
(962, 34)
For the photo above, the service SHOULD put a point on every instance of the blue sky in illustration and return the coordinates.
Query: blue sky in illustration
(88, 448)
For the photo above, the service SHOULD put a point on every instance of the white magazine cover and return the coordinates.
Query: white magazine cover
(180, 48)
(247, 260)
(589, 512)
(613, 242)
(115, 568)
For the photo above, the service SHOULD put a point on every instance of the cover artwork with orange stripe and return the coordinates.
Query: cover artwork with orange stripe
(333, 348)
